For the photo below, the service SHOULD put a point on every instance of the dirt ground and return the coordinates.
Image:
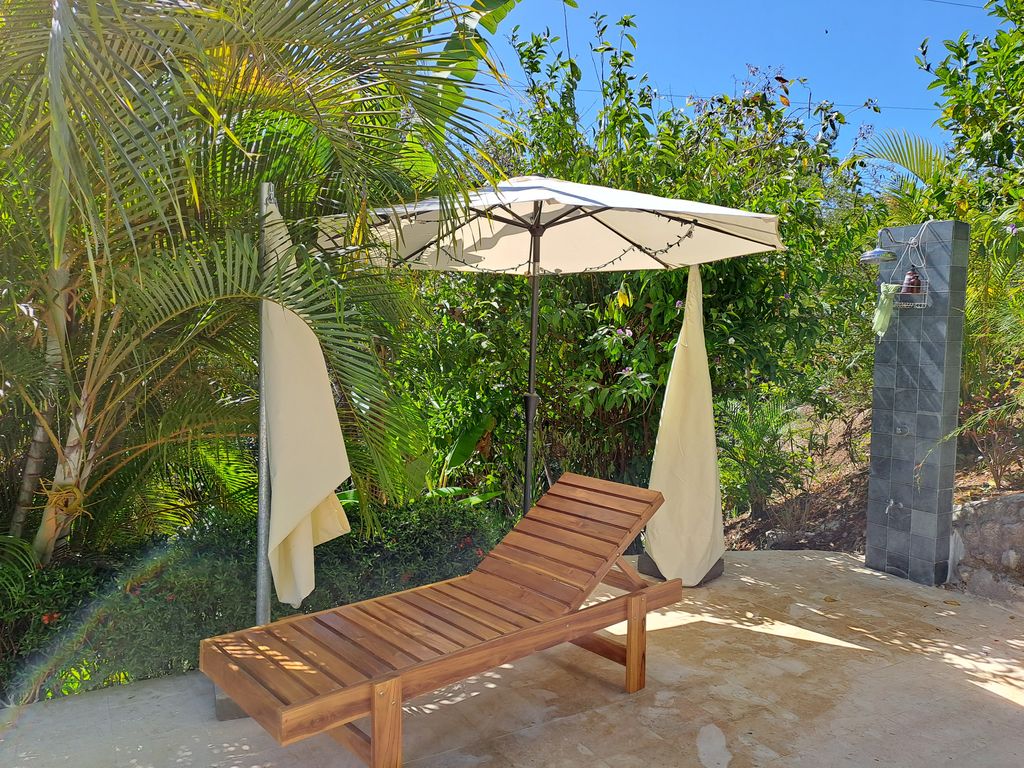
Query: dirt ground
(830, 514)
(832, 520)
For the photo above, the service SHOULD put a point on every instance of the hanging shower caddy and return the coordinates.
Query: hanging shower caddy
(914, 287)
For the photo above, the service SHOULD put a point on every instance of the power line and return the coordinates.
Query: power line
(890, 106)
(670, 96)
(951, 2)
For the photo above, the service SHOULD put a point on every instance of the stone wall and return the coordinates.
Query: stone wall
(989, 537)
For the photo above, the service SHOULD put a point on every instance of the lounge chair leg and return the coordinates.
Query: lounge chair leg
(636, 643)
(386, 724)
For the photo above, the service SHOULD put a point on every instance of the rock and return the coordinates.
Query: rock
(983, 583)
(992, 535)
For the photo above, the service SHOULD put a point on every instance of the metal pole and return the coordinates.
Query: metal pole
(263, 504)
(531, 395)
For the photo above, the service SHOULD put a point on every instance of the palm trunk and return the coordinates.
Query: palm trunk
(64, 497)
(56, 323)
(34, 461)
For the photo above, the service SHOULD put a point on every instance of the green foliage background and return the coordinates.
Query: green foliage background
(793, 325)
(80, 627)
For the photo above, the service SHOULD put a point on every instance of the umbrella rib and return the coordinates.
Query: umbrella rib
(560, 218)
(419, 251)
(525, 223)
(503, 220)
(719, 230)
(633, 243)
(584, 214)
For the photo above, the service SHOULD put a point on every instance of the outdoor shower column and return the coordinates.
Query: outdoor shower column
(915, 403)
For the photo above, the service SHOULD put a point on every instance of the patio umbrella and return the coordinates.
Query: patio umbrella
(533, 225)
(302, 451)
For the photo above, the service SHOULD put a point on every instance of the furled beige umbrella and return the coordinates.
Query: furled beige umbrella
(302, 457)
(536, 226)
(688, 544)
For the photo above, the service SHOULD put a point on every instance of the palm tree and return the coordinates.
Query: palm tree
(133, 136)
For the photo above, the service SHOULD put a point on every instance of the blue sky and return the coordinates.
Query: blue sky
(848, 51)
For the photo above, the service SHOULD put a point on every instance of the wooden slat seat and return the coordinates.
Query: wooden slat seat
(316, 673)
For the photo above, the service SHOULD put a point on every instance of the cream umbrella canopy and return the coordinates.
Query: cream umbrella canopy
(583, 228)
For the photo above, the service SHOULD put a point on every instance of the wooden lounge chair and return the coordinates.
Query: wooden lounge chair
(317, 673)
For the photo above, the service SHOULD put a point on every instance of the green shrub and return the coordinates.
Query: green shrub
(43, 608)
(78, 629)
(759, 458)
(426, 541)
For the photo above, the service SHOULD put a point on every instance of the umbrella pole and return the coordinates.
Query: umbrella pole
(531, 394)
(263, 503)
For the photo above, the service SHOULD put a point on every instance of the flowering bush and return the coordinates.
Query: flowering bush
(40, 613)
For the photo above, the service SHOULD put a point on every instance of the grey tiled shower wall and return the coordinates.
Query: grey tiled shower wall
(915, 402)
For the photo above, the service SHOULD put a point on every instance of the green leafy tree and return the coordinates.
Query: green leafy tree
(757, 448)
(982, 83)
(798, 318)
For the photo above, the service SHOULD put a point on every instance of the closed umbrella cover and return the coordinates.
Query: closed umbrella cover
(307, 454)
(685, 537)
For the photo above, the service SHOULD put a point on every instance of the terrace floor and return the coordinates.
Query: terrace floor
(789, 659)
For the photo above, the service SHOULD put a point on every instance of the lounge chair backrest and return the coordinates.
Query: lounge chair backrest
(560, 551)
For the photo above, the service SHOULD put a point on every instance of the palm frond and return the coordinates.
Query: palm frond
(134, 134)
(17, 561)
(175, 305)
(146, 113)
(184, 488)
(24, 376)
(913, 154)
